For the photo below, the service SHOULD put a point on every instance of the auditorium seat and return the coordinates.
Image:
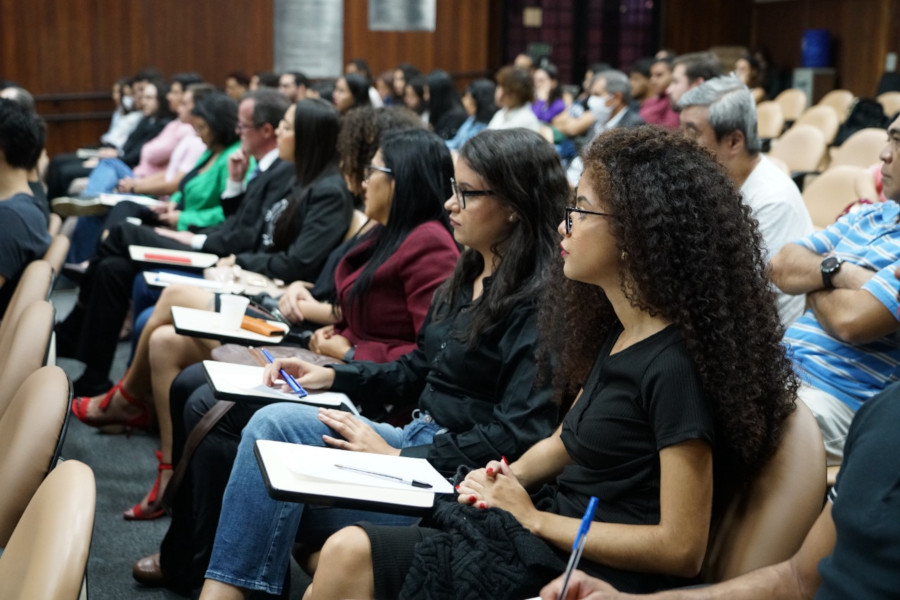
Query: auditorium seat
(840, 101)
(823, 118)
(768, 522)
(830, 193)
(32, 430)
(27, 352)
(48, 551)
(793, 103)
(860, 149)
(801, 148)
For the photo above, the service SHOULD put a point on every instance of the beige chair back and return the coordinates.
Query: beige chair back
(54, 224)
(801, 148)
(830, 193)
(769, 120)
(34, 285)
(793, 103)
(840, 101)
(824, 118)
(47, 554)
(56, 253)
(860, 149)
(890, 102)
(768, 522)
(31, 432)
(28, 349)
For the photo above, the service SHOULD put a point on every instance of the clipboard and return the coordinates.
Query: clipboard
(243, 383)
(300, 473)
(182, 259)
(206, 324)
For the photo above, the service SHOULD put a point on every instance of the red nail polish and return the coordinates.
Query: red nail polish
(505, 462)
(490, 471)
(482, 505)
(472, 499)
(457, 486)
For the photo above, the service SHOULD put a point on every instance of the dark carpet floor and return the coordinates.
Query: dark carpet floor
(124, 468)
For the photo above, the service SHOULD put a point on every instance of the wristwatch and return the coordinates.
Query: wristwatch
(830, 266)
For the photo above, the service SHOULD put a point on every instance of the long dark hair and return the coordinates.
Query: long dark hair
(220, 113)
(163, 112)
(442, 96)
(417, 83)
(316, 126)
(525, 174)
(691, 253)
(421, 167)
(359, 89)
(482, 91)
(556, 90)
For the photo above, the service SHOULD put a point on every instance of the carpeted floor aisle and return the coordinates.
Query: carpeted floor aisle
(124, 468)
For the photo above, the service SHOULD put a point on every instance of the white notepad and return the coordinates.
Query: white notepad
(299, 473)
(113, 199)
(161, 279)
(207, 324)
(184, 259)
(242, 382)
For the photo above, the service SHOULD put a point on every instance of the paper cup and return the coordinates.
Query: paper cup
(232, 307)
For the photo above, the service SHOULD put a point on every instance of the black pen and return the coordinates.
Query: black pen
(412, 482)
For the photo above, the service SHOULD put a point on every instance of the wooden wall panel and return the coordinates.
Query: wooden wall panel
(463, 43)
(694, 25)
(860, 31)
(863, 31)
(58, 48)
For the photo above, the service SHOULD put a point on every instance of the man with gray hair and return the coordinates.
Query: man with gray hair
(720, 115)
(609, 105)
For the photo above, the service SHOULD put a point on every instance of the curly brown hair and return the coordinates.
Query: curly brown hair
(691, 253)
(361, 131)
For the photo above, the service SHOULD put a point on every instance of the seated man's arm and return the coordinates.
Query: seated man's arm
(796, 269)
(853, 316)
(573, 126)
(794, 579)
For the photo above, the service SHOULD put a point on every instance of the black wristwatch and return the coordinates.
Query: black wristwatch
(830, 266)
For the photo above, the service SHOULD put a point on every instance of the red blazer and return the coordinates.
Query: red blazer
(385, 324)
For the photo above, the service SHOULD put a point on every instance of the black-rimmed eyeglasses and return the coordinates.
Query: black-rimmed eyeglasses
(573, 209)
(369, 169)
(461, 194)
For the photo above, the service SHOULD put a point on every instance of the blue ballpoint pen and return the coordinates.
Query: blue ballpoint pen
(578, 545)
(298, 389)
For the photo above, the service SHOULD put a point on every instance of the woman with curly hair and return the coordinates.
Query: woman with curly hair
(667, 319)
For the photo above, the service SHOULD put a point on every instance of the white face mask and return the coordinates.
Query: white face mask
(127, 102)
(597, 106)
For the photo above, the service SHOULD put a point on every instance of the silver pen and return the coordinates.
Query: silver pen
(412, 482)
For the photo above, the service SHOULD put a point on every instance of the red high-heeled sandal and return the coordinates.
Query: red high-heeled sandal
(109, 424)
(154, 499)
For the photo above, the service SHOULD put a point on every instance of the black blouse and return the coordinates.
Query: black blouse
(486, 396)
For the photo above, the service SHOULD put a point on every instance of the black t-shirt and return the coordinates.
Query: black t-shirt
(866, 507)
(24, 238)
(634, 403)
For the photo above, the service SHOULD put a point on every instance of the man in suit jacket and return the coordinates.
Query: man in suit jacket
(91, 336)
(610, 105)
(246, 201)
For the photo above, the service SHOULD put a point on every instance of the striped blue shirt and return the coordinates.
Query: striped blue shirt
(853, 372)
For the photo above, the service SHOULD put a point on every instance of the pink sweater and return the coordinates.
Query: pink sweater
(156, 153)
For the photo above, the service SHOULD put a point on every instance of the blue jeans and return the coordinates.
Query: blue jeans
(106, 175)
(103, 179)
(256, 533)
